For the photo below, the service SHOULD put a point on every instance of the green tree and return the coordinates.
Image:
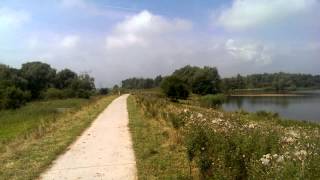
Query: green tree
(65, 78)
(40, 76)
(174, 88)
(202, 81)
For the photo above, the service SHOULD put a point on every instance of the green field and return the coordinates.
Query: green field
(23, 121)
(181, 140)
(33, 136)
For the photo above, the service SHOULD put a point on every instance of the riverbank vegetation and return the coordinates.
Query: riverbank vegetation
(32, 136)
(207, 80)
(208, 143)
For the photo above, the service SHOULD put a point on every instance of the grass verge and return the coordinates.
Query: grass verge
(24, 155)
(220, 145)
(157, 145)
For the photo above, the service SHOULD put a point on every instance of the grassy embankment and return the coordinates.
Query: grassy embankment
(157, 146)
(33, 136)
(184, 140)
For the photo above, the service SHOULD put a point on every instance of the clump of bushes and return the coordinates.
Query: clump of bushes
(175, 88)
(37, 80)
(12, 98)
(211, 100)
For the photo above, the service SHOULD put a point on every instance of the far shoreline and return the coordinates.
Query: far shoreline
(266, 95)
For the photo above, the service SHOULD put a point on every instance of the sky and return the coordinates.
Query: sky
(116, 39)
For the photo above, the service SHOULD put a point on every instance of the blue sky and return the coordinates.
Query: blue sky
(116, 39)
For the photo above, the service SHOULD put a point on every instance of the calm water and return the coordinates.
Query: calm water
(298, 107)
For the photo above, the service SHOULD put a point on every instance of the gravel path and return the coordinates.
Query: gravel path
(103, 151)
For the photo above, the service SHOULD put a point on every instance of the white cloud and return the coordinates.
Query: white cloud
(140, 29)
(12, 18)
(244, 14)
(69, 41)
(74, 3)
(248, 52)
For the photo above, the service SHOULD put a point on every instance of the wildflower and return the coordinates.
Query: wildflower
(265, 161)
(202, 148)
(280, 159)
(293, 134)
(301, 154)
(200, 115)
(288, 140)
(251, 126)
(275, 155)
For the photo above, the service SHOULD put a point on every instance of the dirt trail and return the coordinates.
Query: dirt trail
(103, 151)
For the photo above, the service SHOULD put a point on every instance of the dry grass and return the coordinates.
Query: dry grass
(158, 146)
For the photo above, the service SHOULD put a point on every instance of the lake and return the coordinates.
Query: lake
(303, 107)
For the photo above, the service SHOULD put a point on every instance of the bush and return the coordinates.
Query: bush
(53, 93)
(83, 94)
(13, 98)
(212, 101)
(103, 91)
(175, 88)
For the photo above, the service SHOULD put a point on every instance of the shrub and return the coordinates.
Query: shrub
(13, 98)
(103, 91)
(212, 100)
(175, 88)
(83, 94)
(53, 93)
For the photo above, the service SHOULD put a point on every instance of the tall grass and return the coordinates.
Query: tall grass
(46, 132)
(158, 149)
(23, 121)
(212, 100)
(221, 145)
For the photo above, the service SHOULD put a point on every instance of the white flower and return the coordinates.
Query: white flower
(275, 155)
(294, 134)
(265, 161)
(200, 115)
(280, 159)
(288, 139)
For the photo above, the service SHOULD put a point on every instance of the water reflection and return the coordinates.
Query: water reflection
(294, 107)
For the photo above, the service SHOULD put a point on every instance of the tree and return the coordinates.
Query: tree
(103, 91)
(157, 81)
(202, 81)
(83, 86)
(65, 78)
(40, 76)
(174, 88)
(206, 81)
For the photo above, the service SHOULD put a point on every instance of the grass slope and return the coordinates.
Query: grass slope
(38, 134)
(156, 145)
(183, 140)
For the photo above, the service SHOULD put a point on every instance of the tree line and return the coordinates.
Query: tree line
(181, 82)
(206, 80)
(141, 83)
(271, 81)
(37, 80)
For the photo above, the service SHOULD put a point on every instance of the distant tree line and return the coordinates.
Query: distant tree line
(37, 80)
(141, 83)
(181, 83)
(271, 81)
